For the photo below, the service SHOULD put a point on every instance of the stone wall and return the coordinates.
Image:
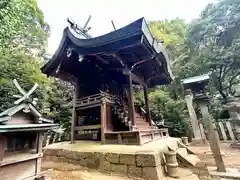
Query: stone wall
(142, 164)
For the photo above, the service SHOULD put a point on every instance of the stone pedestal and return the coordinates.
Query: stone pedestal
(193, 117)
(233, 107)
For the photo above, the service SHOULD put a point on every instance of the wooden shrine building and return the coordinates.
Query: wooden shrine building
(104, 71)
(21, 136)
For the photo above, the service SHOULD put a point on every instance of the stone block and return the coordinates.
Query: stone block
(105, 167)
(128, 159)
(54, 158)
(134, 171)
(111, 157)
(119, 168)
(152, 173)
(62, 159)
(47, 158)
(148, 159)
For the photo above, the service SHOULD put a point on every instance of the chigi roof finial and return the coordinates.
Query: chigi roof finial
(79, 30)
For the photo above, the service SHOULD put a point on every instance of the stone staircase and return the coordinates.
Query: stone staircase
(185, 156)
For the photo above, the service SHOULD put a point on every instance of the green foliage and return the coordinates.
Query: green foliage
(22, 27)
(213, 44)
(173, 112)
(23, 36)
(172, 32)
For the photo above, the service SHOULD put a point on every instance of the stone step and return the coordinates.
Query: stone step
(189, 161)
(182, 151)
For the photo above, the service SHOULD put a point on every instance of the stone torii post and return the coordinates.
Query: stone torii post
(198, 84)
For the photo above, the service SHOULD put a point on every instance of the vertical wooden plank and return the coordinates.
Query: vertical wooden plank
(202, 132)
(73, 124)
(39, 140)
(145, 90)
(103, 120)
(230, 131)
(131, 109)
(222, 131)
(120, 139)
(2, 147)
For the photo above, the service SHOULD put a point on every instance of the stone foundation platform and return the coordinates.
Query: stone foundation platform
(143, 161)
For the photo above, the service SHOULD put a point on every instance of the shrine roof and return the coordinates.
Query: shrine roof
(132, 46)
(26, 127)
(6, 115)
(196, 79)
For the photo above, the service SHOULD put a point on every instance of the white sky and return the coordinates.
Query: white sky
(122, 12)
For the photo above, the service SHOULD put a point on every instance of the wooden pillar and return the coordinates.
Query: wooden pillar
(213, 141)
(145, 90)
(39, 140)
(74, 117)
(131, 108)
(103, 120)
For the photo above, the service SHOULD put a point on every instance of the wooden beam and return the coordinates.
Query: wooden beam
(73, 124)
(148, 113)
(135, 78)
(131, 109)
(87, 127)
(138, 80)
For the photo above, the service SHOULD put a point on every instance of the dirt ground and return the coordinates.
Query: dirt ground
(231, 157)
(64, 171)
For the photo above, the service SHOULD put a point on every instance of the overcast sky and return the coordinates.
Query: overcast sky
(121, 12)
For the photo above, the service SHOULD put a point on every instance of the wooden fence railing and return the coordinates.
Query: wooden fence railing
(54, 136)
(225, 130)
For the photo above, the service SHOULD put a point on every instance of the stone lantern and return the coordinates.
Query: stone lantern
(233, 107)
(198, 85)
(193, 86)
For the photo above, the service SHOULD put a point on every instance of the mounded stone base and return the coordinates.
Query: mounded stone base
(140, 162)
(146, 165)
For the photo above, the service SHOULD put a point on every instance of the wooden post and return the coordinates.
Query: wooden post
(145, 90)
(73, 124)
(229, 127)
(39, 140)
(2, 147)
(213, 141)
(222, 131)
(131, 109)
(103, 120)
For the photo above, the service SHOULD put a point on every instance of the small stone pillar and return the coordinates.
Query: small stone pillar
(233, 107)
(185, 140)
(171, 163)
(202, 100)
(193, 116)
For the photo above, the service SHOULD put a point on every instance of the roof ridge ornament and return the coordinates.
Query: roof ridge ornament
(80, 30)
(25, 96)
